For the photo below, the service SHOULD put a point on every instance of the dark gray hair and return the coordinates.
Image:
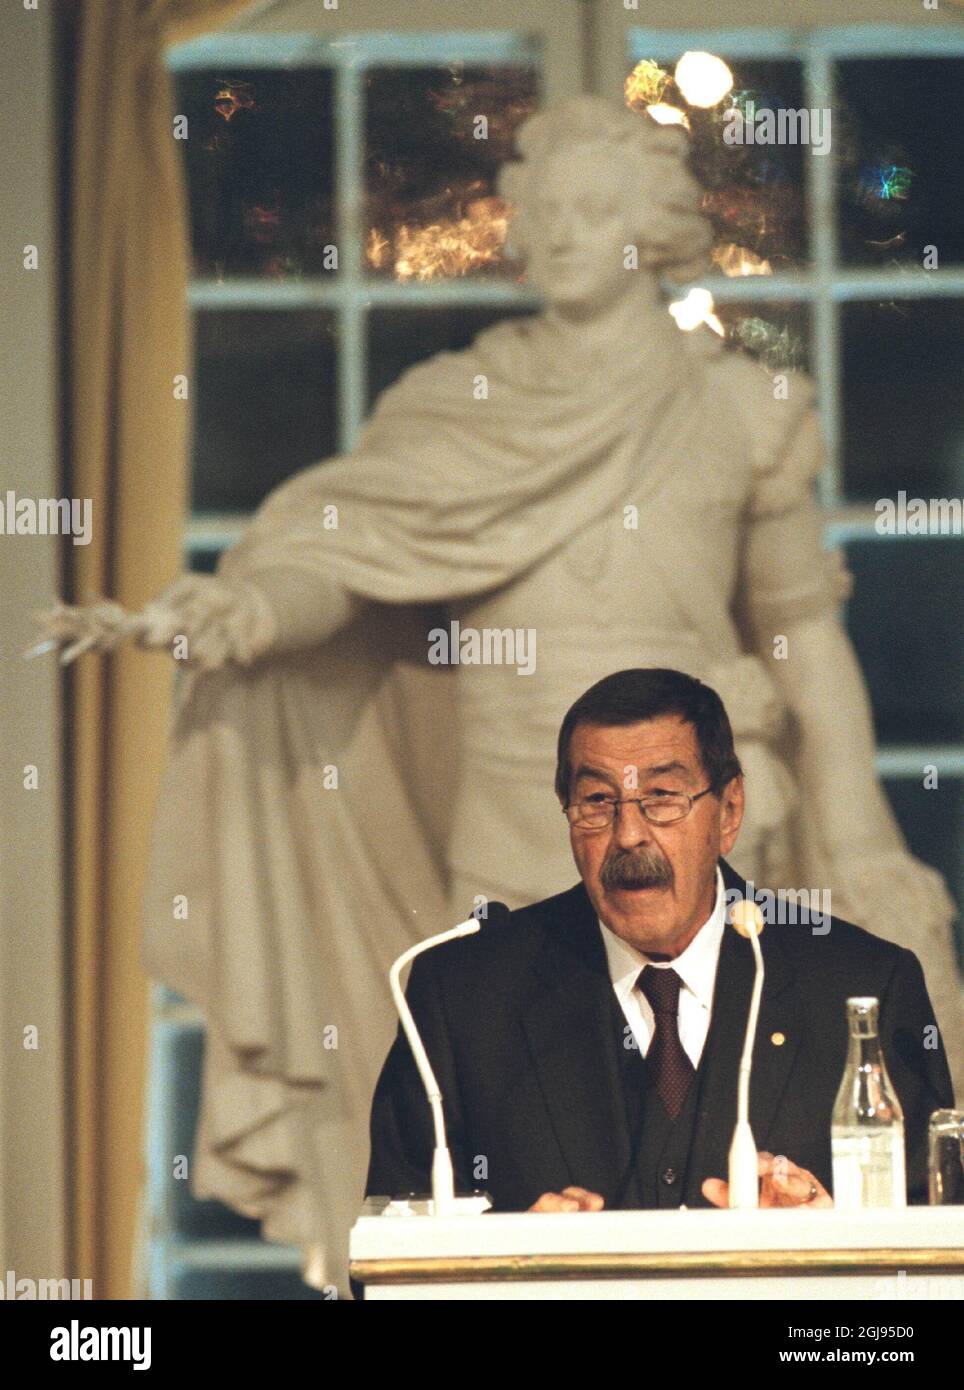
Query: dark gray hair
(627, 697)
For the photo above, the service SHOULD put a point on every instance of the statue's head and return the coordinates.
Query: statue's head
(594, 177)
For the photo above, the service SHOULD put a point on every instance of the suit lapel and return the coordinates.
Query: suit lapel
(568, 1026)
(778, 1038)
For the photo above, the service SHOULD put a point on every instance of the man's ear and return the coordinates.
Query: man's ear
(732, 804)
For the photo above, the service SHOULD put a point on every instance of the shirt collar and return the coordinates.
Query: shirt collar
(696, 966)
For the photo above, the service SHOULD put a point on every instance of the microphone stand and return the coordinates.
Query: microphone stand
(744, 1188)
(444, 1200)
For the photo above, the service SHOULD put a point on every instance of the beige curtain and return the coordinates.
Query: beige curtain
(129, 338)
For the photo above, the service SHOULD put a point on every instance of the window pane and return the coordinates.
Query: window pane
(241, 1283)
(203, 561)
(435, 138)
(259, 164)
(777, 334)
(903, 398)
(905, 618)
(900, 128)
(182, 1061)
(398, 338)
(265, 402)
(932, 819)
(755, 193)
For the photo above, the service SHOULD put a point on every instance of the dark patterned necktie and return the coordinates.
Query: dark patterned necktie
(671, 1068)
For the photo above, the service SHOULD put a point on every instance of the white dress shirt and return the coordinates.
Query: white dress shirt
(696, 967)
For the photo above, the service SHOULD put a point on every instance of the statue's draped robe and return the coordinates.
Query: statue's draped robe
(323, 810)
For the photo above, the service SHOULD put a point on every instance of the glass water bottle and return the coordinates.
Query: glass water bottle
(867, 1127)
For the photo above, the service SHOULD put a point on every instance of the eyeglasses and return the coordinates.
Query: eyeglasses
(595, 812)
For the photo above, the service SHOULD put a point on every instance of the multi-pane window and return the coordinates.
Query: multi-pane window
(850, 262)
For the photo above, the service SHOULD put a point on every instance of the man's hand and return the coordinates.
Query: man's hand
(569, 1199)
(783, 1185)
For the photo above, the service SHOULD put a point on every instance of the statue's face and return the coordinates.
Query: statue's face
(578, 228)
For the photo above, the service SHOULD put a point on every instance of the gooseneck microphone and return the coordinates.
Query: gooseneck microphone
(747, 919)
(444, 1201)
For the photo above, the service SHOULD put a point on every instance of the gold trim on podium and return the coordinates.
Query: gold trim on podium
(733, 1263)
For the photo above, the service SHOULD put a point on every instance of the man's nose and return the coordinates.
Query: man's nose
(631, 827)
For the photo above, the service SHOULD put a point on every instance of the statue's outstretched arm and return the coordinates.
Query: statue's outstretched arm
(208, 620)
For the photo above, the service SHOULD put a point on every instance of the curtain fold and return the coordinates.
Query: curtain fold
(128, 341)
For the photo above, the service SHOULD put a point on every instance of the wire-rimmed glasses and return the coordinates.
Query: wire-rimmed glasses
(597, 811)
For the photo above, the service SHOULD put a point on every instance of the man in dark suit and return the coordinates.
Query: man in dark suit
(587, 1048)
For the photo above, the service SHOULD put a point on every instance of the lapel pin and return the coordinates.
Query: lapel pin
(778, 1039)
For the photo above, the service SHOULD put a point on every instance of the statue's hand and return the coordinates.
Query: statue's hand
(75, 628)
(894, 894)
(216, 619)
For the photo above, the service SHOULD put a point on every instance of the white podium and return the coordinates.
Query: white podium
(707, 1254)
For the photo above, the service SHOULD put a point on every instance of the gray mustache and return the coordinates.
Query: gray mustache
(636, 868)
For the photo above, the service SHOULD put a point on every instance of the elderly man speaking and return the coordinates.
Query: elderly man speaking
(587, 1049)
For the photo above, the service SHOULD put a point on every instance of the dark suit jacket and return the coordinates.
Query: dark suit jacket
(518, 1025)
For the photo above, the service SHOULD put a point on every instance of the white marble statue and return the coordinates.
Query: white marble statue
(617, 493)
